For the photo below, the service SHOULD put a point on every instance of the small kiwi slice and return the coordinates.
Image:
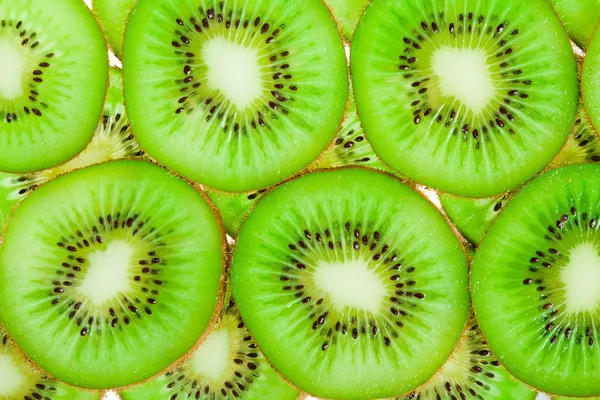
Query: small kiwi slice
(19, 379)
(53, 78)
(535, 282)
(350, 276)
(113, 140)
(113, 15)
(110, 273)
(227, 365)
(471, 97)
(233, 207)
(580, 18)
(347, 14)
(234, 95)
(590, 81)
(583, 145)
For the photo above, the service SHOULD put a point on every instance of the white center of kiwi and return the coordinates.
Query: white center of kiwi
(465, 75)
(350, 284)
(234, 70)
(12, 70)
(581, 277)
(11, 379)
(211, 359)
(108, 273)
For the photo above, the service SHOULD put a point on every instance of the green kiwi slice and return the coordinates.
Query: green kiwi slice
(113, 140)
(590, 81)
(347, 14)
(470, 97)
(227, 365)
(110, 273)
(234, 207)
(234, 95)
(580, 18)
(53, 78)
(19, 379)
(351, 276)
(112, 15)
(583, 145)
(535, 282)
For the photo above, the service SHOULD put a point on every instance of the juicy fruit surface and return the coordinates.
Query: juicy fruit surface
(347, 14)
(580, 18)
(583, 145)
(483, 93)
(590, 81)
(536, 293)
(227, 365)
(53, 78)
(104, 265)
(113, 15)
(226, 93)
(327, 284)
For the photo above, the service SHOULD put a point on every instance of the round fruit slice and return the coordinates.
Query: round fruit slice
(53, 78)
(580, 18)
(234, 95)
(117, 269)
(352, 277)
(227, 365)
(590, 81)
(536, 282)
(471, 97)
(113, 15)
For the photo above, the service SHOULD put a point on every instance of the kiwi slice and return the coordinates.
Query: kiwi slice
(470, 97)
(19, 379)
(252, 91)
(535, 282)
(110, 273)
(112, 15)
(233, 207)
(53, 78)
(227, 365)
(590, 81)
(350, 276)
(580, 18)
(113, 140)
(583, 145)
(347, 14)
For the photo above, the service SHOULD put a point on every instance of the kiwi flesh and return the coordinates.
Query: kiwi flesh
(583, 145)
(535, 282)
(110, 273)
(227, 365)
(351, 276)
(112, 15)
(590, 81)
(347, 14)
(580, 18)
(253, 91)
(53, 79)
(113, 140)
(469, 97)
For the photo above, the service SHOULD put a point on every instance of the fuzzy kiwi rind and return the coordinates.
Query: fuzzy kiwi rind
(263, 292)
(526, 289)
(96, 353)
(590, 80)
(112, 15)
(580, 18)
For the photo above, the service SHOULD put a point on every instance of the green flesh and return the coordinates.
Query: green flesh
(113, 15)
(580, 18)
(347, 14)
(583, 145)
(471, 113)
(233, 207)
(590, 81)
(535, 279)
(20, 380)
(53, 79)
(228, 365)
(113, 140)
(251, 99)
(102, 266)
(472, 372)
(375, 317)
(473, 217)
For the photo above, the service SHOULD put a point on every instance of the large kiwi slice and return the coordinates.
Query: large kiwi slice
(471, 97)
(536, 281)
(580, 18)
(113, 140)
(234, 95)
(113, 15)
(590, 81)
(19, 379)
(350, 276)
(53, 78)
(227, 365)
(110, 273)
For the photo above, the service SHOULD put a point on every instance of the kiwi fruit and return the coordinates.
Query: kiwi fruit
(112, 15)
(590, 81)
(353, 277)
(580, 18)
(113, 140)
(53, 79)
(110, 273)
(535, 282)
(227, 365)
(234, 207)
(252, 91)
(469, 97)
(583, 145)
(347, 14)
